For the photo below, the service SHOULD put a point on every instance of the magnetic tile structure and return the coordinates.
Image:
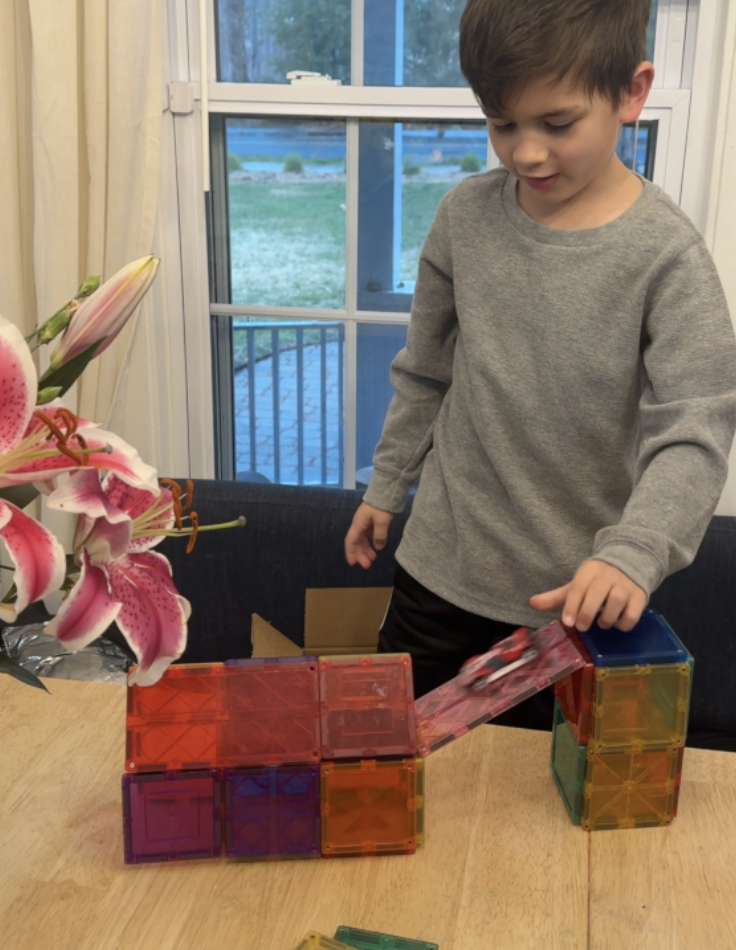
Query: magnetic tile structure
(272, 759)
(372, 940)
(450, 711)
(620, 726)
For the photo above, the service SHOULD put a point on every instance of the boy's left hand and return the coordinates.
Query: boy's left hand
(597, 586)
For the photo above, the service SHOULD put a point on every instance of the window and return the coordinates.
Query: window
(335, 126)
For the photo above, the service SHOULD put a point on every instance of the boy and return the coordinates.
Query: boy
(568, 388)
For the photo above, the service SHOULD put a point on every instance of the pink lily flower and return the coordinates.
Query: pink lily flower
(40, 564)
(121, 578)
(102, 315)
(36, 445)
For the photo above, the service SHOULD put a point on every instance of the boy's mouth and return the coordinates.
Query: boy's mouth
(542, 183)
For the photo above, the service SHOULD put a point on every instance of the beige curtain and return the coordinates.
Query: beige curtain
(80, 138)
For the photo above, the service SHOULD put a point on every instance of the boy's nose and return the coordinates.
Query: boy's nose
(530, 152)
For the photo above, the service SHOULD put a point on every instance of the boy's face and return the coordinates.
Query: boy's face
(559, 143)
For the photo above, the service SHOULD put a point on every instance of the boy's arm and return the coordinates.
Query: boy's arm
(687, 423)
(421, 374)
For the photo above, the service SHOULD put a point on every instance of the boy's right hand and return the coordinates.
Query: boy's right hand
(367, 535)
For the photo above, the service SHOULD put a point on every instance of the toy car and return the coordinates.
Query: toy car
(508, 655)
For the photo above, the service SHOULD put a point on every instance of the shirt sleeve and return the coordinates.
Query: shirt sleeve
(687, 422)
(421, 373)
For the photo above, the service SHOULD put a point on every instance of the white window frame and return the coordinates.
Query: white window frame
(684, 75)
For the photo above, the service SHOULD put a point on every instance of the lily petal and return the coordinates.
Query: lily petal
(121, 457)
(83, 493)
(18, 385)
(40, 564)
(88, 610)
(151, 514)
(108, 542)
(128, 498)
(153, 617)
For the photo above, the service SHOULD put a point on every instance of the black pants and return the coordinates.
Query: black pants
(440, 637)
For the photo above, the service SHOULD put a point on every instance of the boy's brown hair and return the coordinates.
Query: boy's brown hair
(597, 44)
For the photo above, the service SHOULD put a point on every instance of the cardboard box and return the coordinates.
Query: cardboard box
(338, 621)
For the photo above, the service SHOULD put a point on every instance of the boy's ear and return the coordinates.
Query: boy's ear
(634, 99)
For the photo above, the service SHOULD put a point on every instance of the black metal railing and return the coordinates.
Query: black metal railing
(288, 401)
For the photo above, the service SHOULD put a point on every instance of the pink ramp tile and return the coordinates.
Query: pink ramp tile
(451, 710)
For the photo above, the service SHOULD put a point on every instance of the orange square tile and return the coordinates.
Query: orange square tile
(374, 806)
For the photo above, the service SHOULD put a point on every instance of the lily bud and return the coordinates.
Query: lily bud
(103, 314)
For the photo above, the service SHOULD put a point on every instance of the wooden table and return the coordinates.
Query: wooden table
(502, 867)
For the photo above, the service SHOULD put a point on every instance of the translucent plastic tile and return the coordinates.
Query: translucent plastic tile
(641, 707)
(159, 746)
(574, 692)
(367, 706)
(184, 692)
(375, 806)
(630, 789)
(315, 941)
(651, 641)
(272, 713)
(172, 816)
(372, 940)
(568, 765)
(173, 724)
(678, 780)
(450, 711)
(272, 812)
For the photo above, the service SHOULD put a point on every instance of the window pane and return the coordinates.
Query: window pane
(652, 30)
(639, 158)
(286, 203)
(412, 43)
(405, 168)
(262, 40)
(288, 401)
(378, 344)
(406, 44)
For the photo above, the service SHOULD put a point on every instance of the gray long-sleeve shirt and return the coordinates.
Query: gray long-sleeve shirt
(564, 394)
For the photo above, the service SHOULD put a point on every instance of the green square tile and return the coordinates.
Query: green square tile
(372, 940)
(568, 764)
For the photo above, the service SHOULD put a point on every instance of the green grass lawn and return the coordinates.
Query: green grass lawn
(287, 239)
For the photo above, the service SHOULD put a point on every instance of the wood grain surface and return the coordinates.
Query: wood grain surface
(502, 867)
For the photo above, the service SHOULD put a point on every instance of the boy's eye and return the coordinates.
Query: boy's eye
(550, 126)
(559, 129)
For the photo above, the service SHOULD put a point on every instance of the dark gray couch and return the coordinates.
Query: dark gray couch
(294, 540)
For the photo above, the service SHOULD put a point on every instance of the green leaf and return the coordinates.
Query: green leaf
(15, 670)
(11, 596)
(19, 495)
(67, 374)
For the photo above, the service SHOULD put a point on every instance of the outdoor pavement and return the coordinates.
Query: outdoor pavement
(266, 439)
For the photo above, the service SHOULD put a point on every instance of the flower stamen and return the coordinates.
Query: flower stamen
(194, 518)
(62, 427)
(175, 489)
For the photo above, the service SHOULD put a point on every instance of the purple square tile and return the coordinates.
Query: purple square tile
(272, 812)
(169, 816)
